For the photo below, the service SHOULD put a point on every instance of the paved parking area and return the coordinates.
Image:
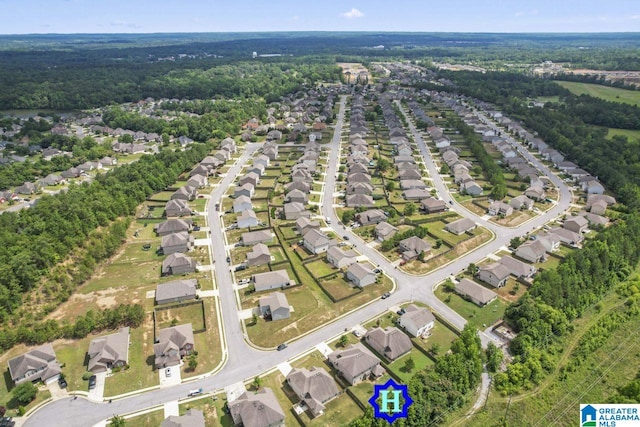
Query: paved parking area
(170, 376)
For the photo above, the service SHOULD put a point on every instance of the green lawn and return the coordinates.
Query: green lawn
(338, 412)
(150, 419)
(632, 135)
(477, 316)
(421, 361)
(607, 93)
(339, 287)
(364, 390)
(213, 411)
(320, 268)
(191, 313)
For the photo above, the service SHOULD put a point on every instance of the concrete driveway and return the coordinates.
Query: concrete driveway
(97, 394)
(170, 376)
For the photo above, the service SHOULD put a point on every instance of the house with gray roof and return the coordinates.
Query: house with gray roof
(371, 216)
(567, 236)
(274, 306)
(295, 210)
(305, 224)
(359, 200)
(408, 174)
(241, 204)
(173, 344)
(384, 231)
(259, 255)
(277, 279)
(186, 193)
(416, 194)
(521, 202)
(314, 387)
(355, 363)
(171, 226)
(517, 268)
(500, 208)
(296, 196)
(408, 184)
(595, 220)
(191, 418)
(413, 246)
(178, 263)
(177, 208)
(253, 237)
(431, 205)
(475, 292)
(244, 190)
(247, 218)
(577, 224)
(302, 186)
(198, 181)
(251, 178)
(532, 251)
(176, 291)
(361, 275)
(109, 351)
(38, 364)
(391, 342)
(471, 188)
(460, 226)
(316, 241)
(27, 188)
(176, 242)
(340, 258)
(257, 409)
(417, 321)
(495, 274)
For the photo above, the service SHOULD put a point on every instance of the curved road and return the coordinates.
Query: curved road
(243, 361)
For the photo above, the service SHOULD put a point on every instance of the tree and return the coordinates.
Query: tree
(515, 242)
(348, 216)
(390, 186)
(342, 342)
(473, 269)
(494, 357)
(117, 421)
(410, 209)
(25, 392)
(435, 348)
(383, 165)
(193, 361)
(257, 382)
(409, 364)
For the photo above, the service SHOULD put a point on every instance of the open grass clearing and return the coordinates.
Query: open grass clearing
(608, 93)
(213, 411)
(150, 419)
(179, 315)
(479, 317)
(320, 268)
(399, 366)
(632, 135)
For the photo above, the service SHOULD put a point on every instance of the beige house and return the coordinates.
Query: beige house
(109, 351)
(314, 387)
(391, 342)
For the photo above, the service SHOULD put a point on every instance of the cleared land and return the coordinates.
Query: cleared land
(607, 93)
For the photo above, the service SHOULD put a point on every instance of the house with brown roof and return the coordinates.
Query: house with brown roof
(371, 216)
(361, 275)
(176, 291)
(171, 226)
(355, 363)
(384, 231)
(178, 263)
(314, 387)
(253, 237)
(191, 418)
(517, 268)
(340, 258)
(257, 409)
(475, 292)
(391, 342)
(177, 208)
(259, 255)
(495, 274)
(109, 351)
(38, 364)
(460, 226)
(359, 200)
(176, 242)
(431, 205)
(316, 241)
(532, 251)
(417, 321)
(295, 210)
(577, 224)
(173, 344)
(277, 279)
(274, 306)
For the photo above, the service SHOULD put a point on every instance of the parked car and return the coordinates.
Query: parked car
(345, 237)
(195, 392)
(62, 382)
(167, 372)
(196, 228)
(401, 312)
(92, 382)
(282, 346)
(385, 295)
(241, 267)
(228, 259)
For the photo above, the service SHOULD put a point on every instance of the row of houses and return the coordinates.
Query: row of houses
(359, 191)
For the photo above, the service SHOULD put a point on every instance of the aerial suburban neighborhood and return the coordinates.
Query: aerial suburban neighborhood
(271, 253)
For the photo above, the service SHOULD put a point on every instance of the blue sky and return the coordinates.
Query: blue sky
(147, 16)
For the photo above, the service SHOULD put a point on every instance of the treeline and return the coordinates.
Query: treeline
(615, 162)
(443, 388)
(392, 242)
(596, 111)
(561, 295)
(34, 240)
(598, 79)
(219, 119)
(629, 393)
(491, 170)
(93, 321)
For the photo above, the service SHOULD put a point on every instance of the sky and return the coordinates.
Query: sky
(170, 16)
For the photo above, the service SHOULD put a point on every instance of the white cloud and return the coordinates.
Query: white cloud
(295, 18)
(635, 17)
(353, 13)
(519, 13)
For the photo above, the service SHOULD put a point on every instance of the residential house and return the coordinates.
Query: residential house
(550, 241)
(253, 237)
(577, 224)
(471, 188)
(567, 236)
(186, 193)
(355, 363)
(301, 175)
(384, 231)
(361, 275)
(38, 364)
(257, 168)
(296, 196)
(109, 351)
(257, 409)
(173, 344)
(460, 226)
(416, 194)
(191, 418)
(359, 188)
(27, 188)
(431, 205)
(241, 204)
(247, 218)
(50, 180)
(250, 178)
(274, 306)
(412, 247)
(535, 193)
(500, 208)
(259, 255)
(595, 220)
(176, 242)
(495, 274)
(316, 241)
(359, 200)
(295, 210)
(593, 198)
(244, 190)
(359, 177)
(176, 291)
(417, 321)
(271, 280)
(599, 207)
(177, 208)
(305, 224)
(171, 226)
(314, 387)
(198, 181)
(408, 184)
(262, 160)
(71, 173)
(517, 268)
(532, 251)
(302, 186)
(340, 258)
(475, 292)
(178, 263)
(371, 216)
(391, 342)
(521, 202)
(409, 174)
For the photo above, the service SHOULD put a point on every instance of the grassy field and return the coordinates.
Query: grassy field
(607, 93)
(632, 135)
(191, 313)
(479, 317)
(320, 268)
(421, 361)
(150, 419)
